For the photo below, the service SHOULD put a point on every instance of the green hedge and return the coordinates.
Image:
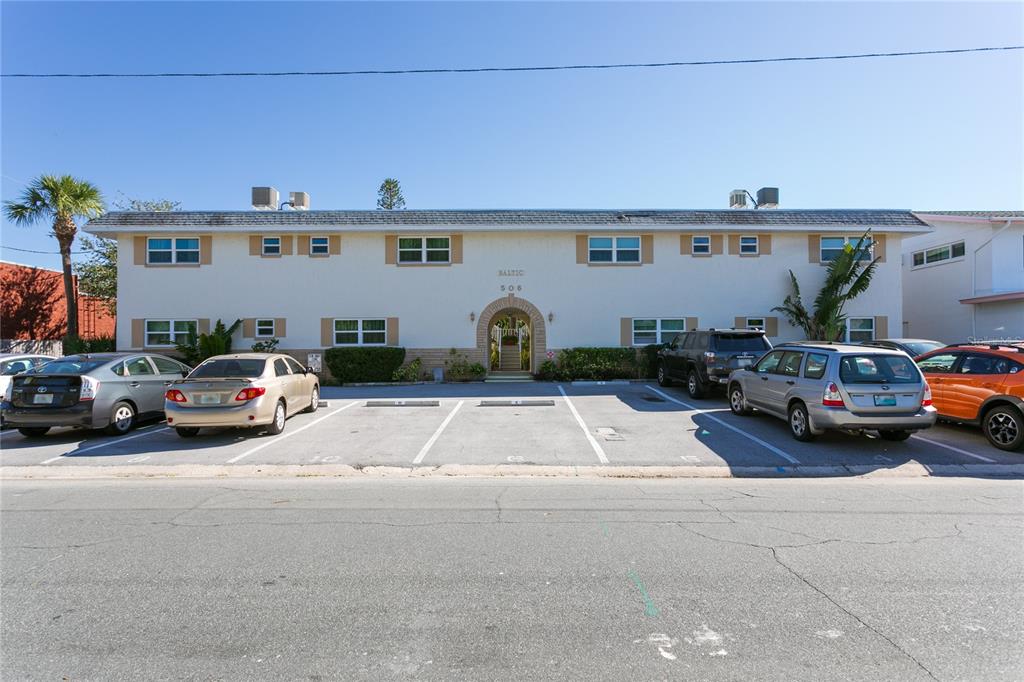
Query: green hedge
(364, 364)
(649, 360)
(73, 345)
(591, 364)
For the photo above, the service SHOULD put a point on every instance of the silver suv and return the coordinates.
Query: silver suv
(821, 386)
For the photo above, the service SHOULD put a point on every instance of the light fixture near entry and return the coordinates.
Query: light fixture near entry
(551, 317)
(472, 317)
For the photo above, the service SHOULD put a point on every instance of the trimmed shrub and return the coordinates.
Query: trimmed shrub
(458, 368)
(410, 372)
(594, 364)
(649, 360)
(548, 371)
(73, 345)
(361, 364)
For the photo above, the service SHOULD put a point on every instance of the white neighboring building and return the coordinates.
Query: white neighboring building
(965, 279)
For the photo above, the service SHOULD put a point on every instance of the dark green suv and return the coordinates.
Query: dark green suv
(703, 358)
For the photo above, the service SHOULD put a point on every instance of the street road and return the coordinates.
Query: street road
(319, 579)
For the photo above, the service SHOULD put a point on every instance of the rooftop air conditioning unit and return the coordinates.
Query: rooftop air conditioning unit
(299, 200)
(768, 197)
(264, 198)
(738, 198)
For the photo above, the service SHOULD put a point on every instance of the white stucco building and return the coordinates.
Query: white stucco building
(964, 280)
(432, 280)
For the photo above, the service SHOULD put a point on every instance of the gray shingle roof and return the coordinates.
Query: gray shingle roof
(976, 214)
(517, 217)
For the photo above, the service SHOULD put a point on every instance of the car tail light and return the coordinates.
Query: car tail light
(832, 397)
(709, 357)
(926, 399)
(176, 396)
(250, 393)
(89, 389)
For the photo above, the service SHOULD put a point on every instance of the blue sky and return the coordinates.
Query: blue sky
(937, 132)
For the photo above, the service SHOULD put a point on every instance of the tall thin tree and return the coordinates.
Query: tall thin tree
(59, 199)
(389, 195)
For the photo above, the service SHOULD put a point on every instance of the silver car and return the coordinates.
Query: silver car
(819, 386)
(96, 390)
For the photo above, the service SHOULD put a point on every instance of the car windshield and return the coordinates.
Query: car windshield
(733, 342)
(227, 368)
(68, 366)
(922, 347)
(878, 369)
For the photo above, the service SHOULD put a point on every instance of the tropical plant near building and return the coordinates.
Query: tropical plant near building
(848, 276)
(389, 195)
(59, 200)
(266, 346)
(458, 368)
(202, 346)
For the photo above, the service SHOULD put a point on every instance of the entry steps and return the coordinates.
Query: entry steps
(508, 377)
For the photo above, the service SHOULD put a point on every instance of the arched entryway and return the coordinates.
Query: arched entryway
(511, 325)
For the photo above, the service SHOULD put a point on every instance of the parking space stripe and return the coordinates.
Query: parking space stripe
(286, 434)
(768, 446)
(103, 445)
(437, 434)
(586, 432)
(954, 449)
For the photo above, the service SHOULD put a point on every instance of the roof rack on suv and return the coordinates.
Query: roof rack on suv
(822, 345)
(1017, 346)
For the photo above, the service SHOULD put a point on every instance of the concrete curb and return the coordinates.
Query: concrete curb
(196, 471)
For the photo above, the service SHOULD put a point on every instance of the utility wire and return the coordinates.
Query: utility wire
(505, 69)
(52, 253)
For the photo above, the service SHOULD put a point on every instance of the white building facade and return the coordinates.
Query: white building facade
(431, 281)
(964, 280)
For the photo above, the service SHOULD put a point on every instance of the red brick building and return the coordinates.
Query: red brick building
(32, 306)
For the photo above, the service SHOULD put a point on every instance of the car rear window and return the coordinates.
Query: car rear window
(64, 366)
(735, 342)
(920, 348)
(227, 368)
(878, 369)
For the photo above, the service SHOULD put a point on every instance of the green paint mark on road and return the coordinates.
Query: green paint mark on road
(650, 610)
(604, 528)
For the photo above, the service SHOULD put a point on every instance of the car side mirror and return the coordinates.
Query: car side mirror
(309, 370)
(750, 368)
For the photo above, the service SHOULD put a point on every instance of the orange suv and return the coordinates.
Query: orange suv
(981, 384)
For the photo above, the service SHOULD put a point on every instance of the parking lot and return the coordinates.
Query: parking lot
(627, 424)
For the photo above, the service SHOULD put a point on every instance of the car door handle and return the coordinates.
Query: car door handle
(764, 378)
(168, 383)
(790, 382)
(134, 384)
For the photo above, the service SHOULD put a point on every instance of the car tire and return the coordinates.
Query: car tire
(122, 418)
(33, 431)
(187, 431)
(693, 385)
(280, 414)
(800, 423)
(1004, 427)
(314, 401)
(736, 399)
(894, 435)
(663, 379)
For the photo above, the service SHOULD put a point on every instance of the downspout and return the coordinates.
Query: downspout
(974, 275)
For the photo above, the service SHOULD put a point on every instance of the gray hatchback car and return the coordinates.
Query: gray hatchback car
(818, 387)
(96, 390)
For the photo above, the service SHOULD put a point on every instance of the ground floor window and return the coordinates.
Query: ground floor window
(860, 329)
(264, 328)
(169, 332)
(755, 323)
(656, 330)
(360, 332)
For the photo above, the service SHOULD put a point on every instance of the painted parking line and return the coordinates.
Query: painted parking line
(768, 446)
(104, 444)
(288, 434)
(437, 434)
(954, 449)
(586, 432)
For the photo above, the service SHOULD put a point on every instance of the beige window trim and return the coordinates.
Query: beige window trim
(304, 244)
(814, 248)
(881, 326)
(334, 244)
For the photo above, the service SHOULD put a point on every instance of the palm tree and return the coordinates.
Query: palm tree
(846, 278)
(60, 199)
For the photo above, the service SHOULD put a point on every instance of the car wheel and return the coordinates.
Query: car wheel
(314, 401)
(799, 424)
(187, 431)
(33, 431)
(122, 419)
(663, 379)
(736, 403)
(693, 385)
(894, 435)
(277, 426)
(1004, 427)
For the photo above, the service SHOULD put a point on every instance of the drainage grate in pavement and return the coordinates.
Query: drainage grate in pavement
(652, 398)
(402, 403)
(517, 403)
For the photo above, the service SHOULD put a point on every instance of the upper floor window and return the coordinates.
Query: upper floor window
(657, 330)
(265, 328)
(360, 332)
(271, 246)
(319, 246)
(424, 250)
(701, 244)
(161, 251)
(755, 323)
(939, 254)
(860, 329)
(169, 332)
(748, 245)
(614, 249)
(831, 247)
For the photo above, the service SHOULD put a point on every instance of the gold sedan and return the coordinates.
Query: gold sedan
(243, 389)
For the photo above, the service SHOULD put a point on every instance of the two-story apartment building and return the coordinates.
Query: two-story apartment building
(965, 278)
(492, 284)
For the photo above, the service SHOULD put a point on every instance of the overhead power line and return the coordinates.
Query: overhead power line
(506, 69)
(50, 253)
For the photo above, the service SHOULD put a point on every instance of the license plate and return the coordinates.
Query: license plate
(744, 362)
(885, 401)
(209, 399)
(43, 399)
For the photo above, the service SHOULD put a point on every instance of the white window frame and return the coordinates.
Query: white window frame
(757, 245)
(273, 328)
(948, 246)
(174, 250)
(171, 332)
(706, 246)
(848, 330)
(423, 250)
(360, 332)
(658, 330)
(326, 246)
(847, 239)
(263, 246)
(757, 327)
(615, 249)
